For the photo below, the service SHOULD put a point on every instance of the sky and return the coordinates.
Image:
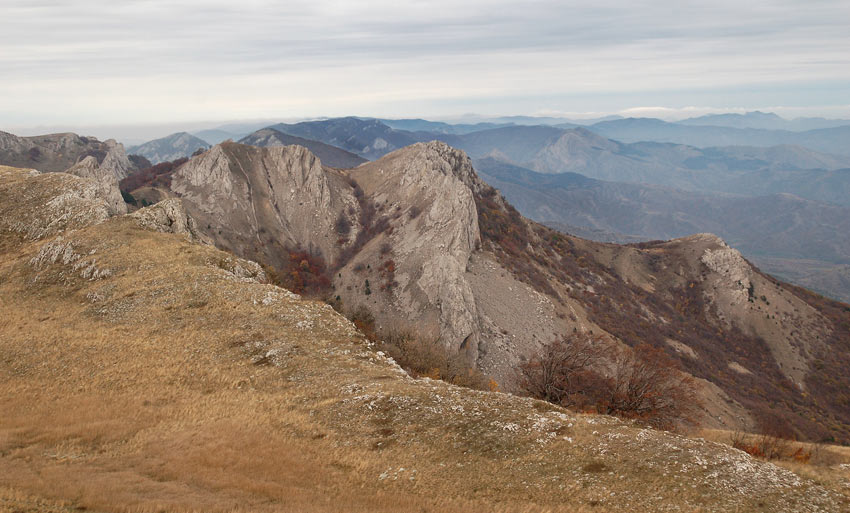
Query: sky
(94, 63)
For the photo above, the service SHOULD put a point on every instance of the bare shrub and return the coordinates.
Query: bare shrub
(582, 372)
(342, 224)
(423, 356)
(558, 374)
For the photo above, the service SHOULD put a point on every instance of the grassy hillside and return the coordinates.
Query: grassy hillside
(140, 371)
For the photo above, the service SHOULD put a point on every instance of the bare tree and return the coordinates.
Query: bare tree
(645, 384)
(641, 383)
(557, 373)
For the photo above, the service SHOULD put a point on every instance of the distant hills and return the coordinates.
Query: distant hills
(765, 121)
(329, 155)
(368, 138)
(829, 140)
(171, 147)
(811, 239)
(640, 178)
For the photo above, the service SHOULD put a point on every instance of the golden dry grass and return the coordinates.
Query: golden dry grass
(174, 385)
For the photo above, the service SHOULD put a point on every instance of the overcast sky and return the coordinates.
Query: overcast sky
(92, 62)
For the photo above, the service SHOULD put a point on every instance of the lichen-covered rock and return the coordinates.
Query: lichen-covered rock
(42, 205)
(169, 216)
(272, 199)
(107, 183)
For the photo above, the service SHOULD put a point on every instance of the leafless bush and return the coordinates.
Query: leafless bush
(581, 371)
(423, 356)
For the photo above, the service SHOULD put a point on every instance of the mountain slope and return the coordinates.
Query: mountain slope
(329, 155)
(796, 239)
(370, 139)
(167, 382)
(264, 201)
(168, 148)
(418, 240)
(58, 152)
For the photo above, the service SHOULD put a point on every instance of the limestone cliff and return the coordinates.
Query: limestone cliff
(426, 190)
(58, 152)
(262, 201)
(105, 177)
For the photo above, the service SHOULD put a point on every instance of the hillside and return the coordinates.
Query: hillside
(749, 170)
(769, 228)
(58, 152)
(418, 241)
(171, 147)
(166, 381)
(329, 155)
(368, 138)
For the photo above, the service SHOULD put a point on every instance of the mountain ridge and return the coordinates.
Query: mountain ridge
(245, 369)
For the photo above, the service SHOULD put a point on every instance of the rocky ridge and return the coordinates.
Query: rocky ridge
(250, 366)
(58, 152)
(417, 239)
(106, 180)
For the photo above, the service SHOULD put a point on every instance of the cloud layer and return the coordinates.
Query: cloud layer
(92, 61)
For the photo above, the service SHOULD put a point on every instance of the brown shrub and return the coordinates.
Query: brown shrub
(642, 383)
(428, 357)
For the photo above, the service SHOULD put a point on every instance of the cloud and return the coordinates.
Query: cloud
(97, 60)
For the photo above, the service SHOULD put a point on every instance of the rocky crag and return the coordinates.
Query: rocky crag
(422, 243)
(143, 370)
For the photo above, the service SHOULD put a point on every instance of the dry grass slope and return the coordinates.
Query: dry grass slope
(141, 372)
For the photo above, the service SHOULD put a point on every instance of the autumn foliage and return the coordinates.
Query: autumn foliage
(154, 176)
(583, 372)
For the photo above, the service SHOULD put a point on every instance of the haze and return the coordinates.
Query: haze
(88, 63)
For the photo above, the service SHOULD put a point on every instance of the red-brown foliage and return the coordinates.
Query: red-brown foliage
(154, 176)
(641, 383)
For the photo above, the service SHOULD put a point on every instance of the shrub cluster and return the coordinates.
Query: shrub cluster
(584, 373)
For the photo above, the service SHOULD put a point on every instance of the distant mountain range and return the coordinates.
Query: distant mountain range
(169, 148)
(765, 121)
(632, 186)
(368, 138)
(829, 140)
(329, 155)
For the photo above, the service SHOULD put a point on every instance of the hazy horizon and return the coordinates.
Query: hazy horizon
(92, 63)
(142, 132)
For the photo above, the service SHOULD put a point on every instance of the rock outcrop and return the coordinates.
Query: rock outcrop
(58, 152)
(169, 216)
(38, 205)
(427, 192)
(262, 201)
(105, 177)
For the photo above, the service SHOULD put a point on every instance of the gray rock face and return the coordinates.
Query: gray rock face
(264, 200)
(428, 190)
(169, 216)
(116, 159)
(39, 205)
(58, 152)
(107, 183)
